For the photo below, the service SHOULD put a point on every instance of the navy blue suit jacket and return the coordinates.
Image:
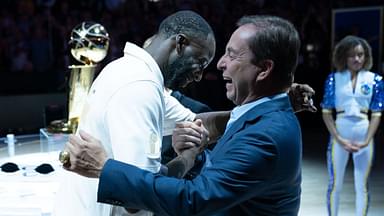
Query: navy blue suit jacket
(255, 169)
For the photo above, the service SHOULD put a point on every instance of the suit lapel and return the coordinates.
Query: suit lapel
(253, 115)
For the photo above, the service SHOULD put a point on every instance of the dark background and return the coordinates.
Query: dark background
(34, 54)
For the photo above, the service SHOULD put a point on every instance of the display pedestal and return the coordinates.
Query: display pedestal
(52, 141)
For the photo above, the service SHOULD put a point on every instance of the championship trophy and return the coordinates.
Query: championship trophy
(89, 45)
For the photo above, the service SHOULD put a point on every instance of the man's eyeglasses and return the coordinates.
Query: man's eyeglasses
(10, 167)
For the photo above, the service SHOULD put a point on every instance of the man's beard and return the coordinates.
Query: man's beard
(176, 74)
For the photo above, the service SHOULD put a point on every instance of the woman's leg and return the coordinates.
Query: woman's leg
(362, 161)
(337, 159)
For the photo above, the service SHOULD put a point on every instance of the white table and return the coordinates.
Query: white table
(26, 192)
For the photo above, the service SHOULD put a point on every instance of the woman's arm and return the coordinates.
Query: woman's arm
(373, 125)
(331, 126)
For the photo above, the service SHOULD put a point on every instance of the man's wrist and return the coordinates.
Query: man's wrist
(99, 171)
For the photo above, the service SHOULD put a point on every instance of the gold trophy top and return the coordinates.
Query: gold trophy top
(89, 43)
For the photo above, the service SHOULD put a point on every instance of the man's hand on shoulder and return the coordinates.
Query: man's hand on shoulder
(86, 155)
(300, 96)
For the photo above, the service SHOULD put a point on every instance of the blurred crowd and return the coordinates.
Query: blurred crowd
(34, 36)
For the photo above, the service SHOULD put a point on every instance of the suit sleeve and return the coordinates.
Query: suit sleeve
(236, 176)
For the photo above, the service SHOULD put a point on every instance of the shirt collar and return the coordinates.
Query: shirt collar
(238, 111)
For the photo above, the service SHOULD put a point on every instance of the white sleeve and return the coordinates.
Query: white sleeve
(175, 112)
(134, 120)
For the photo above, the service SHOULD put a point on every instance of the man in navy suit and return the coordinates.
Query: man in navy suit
(254, 169)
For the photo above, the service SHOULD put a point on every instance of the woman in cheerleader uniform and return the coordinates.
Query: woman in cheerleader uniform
(355, 96)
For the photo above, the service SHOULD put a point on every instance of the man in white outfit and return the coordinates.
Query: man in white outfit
(127, 109)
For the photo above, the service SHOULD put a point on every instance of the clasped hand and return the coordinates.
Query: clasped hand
(190, 138)
(351, 146)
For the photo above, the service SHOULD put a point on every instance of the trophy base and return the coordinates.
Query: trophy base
(51, 142)
(60, 126)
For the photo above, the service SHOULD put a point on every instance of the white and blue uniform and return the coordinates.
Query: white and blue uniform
(352, 107)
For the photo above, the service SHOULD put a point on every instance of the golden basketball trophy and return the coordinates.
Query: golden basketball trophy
(89, 45)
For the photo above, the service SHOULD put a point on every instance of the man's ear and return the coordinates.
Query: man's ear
(266, 67)
(181, 42)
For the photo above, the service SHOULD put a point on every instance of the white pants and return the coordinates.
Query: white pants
(354, 129)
